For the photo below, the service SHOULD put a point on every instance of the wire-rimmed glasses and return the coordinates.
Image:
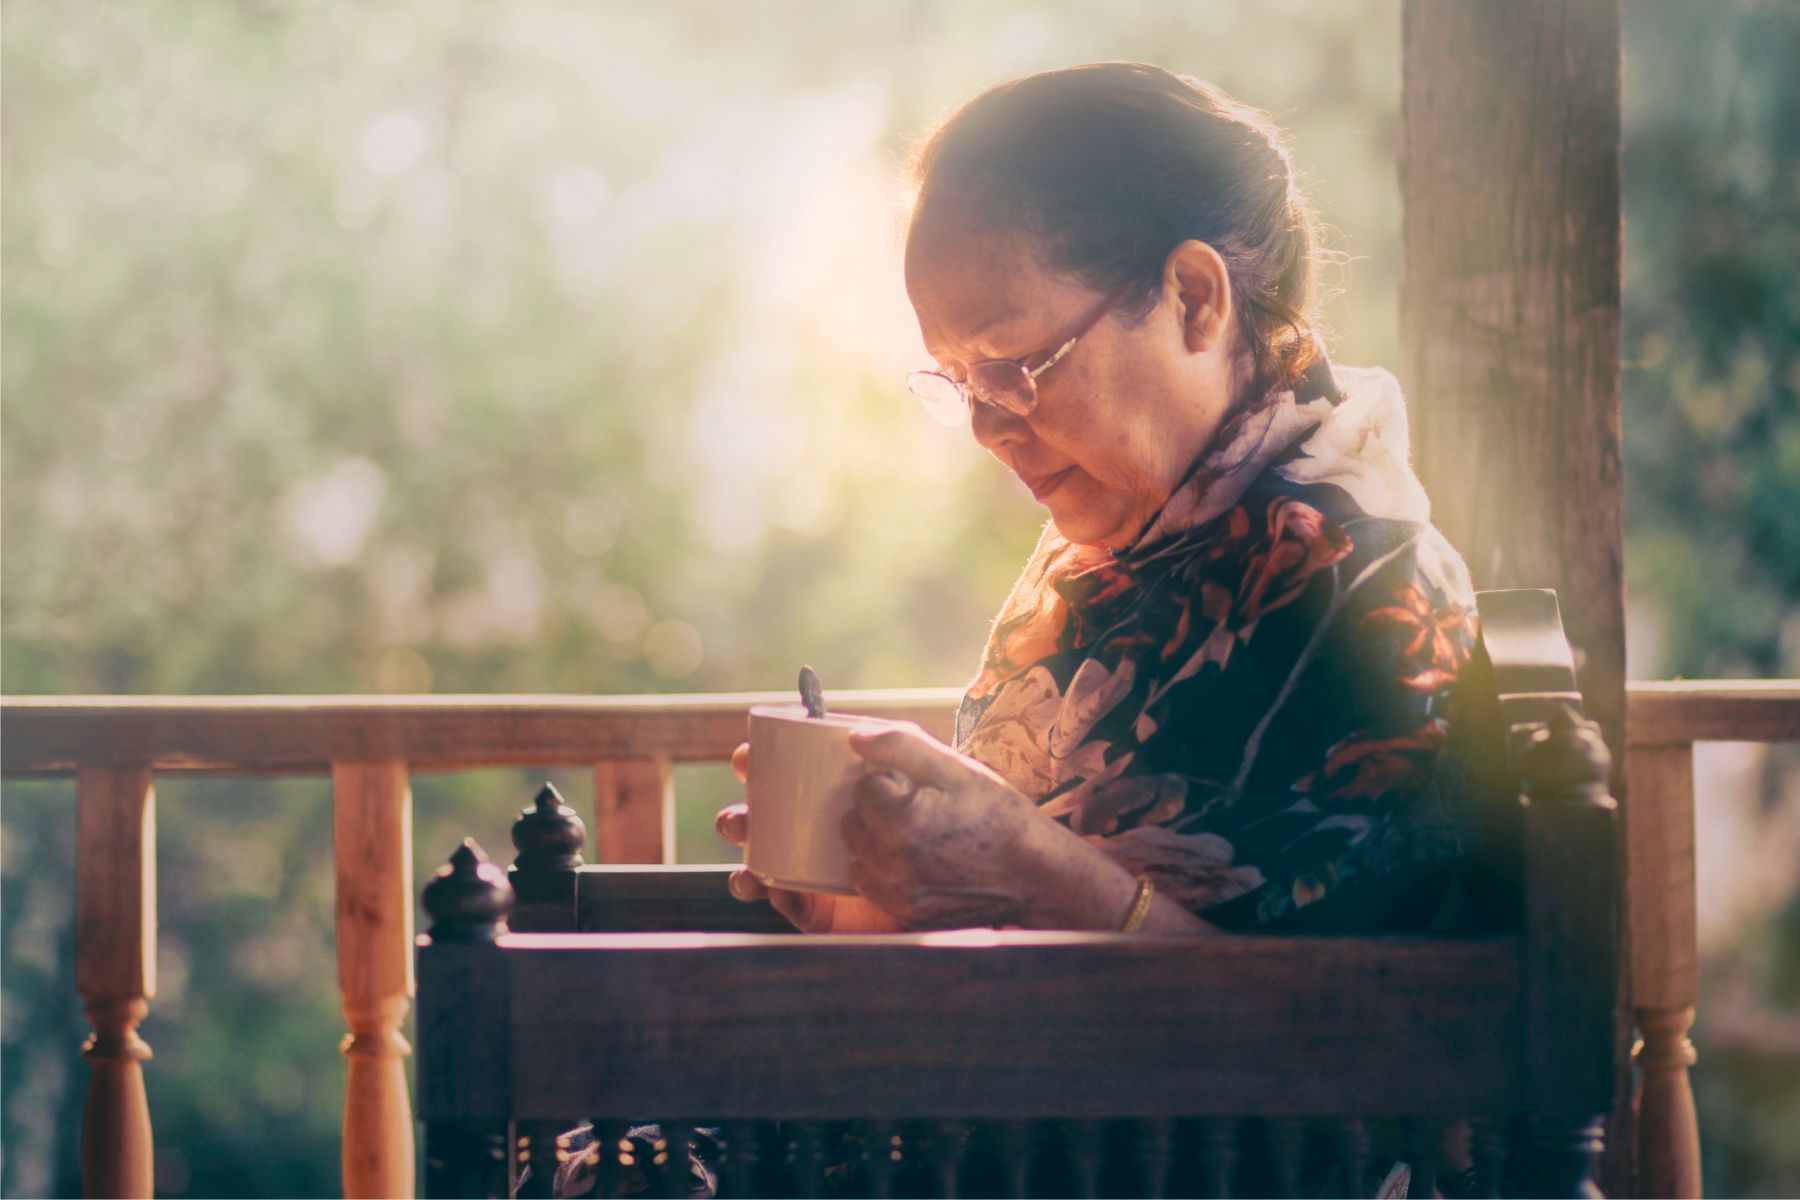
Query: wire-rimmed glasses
(1006, 383)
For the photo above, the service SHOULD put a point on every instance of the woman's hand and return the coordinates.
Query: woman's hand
(941, 841)
(811, 912)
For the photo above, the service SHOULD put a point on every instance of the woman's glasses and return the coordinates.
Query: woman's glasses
(1005, 383)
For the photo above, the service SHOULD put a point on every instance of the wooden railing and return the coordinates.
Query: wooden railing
(114, 746)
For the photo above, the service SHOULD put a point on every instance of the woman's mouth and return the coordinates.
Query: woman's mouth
(1042, 485)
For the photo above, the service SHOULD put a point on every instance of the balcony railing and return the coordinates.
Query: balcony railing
(115, 746)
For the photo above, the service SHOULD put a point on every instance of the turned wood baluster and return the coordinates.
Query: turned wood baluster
(741, 1152)
(372, 827)
(1665, 972)
(115, 971)
(1218, 1155)
(1424, 1154)
(944, 1153)
(1354, 1149)
(881, 1156)
(1013, 1141)
(1084, 1141)
(1154, 1138)
(1571, 950)
(672, 1161)
(1287, 1149)
(634, 811)
(1487, 1147)
(807, 1154)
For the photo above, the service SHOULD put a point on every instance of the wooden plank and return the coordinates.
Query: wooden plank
(372, 830)
(1714, 710)
(304, 735)
(634, 809)
(1011, 1025)
(115, 972)
(689, 898)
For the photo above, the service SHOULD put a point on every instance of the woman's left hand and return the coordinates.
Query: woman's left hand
(938, 839)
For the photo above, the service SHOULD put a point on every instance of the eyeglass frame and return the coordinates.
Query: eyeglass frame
(1029, 375)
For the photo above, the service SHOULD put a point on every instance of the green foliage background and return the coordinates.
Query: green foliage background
(556, 348)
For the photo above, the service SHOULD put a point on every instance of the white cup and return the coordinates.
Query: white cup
(802, 780)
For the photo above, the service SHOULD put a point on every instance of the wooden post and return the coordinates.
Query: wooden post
(634, 811)
(1571, 951)
(1510, 152)
(463, 1034)
(115, 971)
(372, 816)
(1665, 969)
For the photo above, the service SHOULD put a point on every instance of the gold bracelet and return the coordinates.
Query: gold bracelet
(1140, 908)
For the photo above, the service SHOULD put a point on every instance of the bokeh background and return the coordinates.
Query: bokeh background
(556, 347)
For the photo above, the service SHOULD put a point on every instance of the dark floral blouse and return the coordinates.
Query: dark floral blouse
(1252, 702)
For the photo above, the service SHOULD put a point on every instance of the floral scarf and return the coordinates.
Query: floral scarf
(1250, 702)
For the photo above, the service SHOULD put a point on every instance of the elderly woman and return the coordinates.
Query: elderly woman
(1219, 695)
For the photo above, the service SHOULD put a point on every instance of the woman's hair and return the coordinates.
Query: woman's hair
(1108, 166)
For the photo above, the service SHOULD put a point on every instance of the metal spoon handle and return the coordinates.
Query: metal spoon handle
(812, 693)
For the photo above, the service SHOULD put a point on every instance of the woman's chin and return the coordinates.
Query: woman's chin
(1085, 527)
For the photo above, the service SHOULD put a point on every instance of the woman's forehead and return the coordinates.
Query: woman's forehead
(967, 282)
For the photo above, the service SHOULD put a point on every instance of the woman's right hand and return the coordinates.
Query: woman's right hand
(811, 912)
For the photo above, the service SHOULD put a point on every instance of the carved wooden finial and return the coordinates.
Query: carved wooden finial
(1567, 758)
(468, 898)
(548, 834)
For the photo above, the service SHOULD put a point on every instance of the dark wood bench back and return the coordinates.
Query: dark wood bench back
(1308, 1037)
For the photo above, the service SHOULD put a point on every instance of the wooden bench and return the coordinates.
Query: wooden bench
(1207, 1064)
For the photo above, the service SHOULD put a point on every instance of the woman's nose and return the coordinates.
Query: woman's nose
(994, 426)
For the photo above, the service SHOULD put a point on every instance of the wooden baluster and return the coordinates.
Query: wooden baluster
(1424, 1154)
(372, 823)
(949, 1142)
(1668, 1127)
(462, 1029)
(609, 1138)
(1571, 950)
(672, 1160)
(115, 971)
(742, 1151)
(1013, 1144)
(634, 811)
(1287, 1151)
(1564, 1157)
(1218, 1155)
(547, 837)
(1354, 1149)
(881, 1157)
(1084, 1141)
(1487, 1146)
(806, 1154)
(1665, 972)
(535, 1147)
(1154, 1135)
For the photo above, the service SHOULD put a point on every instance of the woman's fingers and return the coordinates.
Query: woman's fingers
(740, 762)
(921, 757)
(886, 788)
(745, 886)
(733, 823)
(795, 906)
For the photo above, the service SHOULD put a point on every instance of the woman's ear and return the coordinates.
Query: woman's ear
(1197, 279)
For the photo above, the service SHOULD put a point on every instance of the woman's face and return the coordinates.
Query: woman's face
(1120, 419)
